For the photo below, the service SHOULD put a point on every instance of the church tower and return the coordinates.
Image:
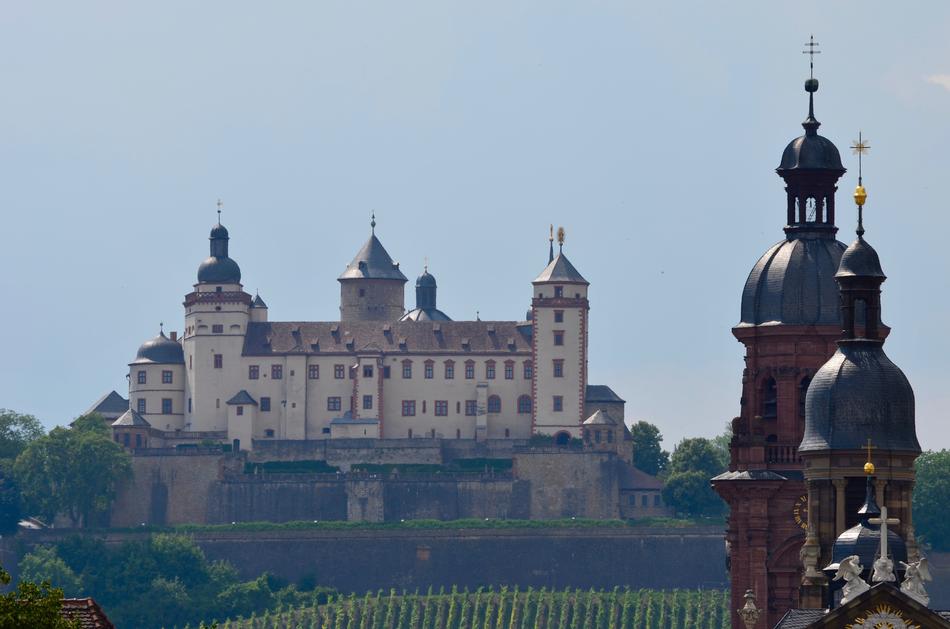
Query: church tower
(372, 286)
(859, 421)
(217, 312)
(790, 320)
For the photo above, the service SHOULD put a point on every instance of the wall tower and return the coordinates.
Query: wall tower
(372, 286)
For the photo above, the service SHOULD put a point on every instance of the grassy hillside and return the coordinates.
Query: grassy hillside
(504, 609)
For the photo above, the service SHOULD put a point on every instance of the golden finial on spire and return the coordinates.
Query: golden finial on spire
(869, 467)
(860, 147)
(560, 236)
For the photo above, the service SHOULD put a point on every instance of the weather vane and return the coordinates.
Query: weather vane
(220, 205)
(811, 51)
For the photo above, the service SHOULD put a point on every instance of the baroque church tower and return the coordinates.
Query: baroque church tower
(790, 321)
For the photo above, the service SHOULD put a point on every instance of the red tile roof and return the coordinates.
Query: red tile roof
(87, 612)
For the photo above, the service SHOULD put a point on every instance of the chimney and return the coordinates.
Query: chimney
(173, 335)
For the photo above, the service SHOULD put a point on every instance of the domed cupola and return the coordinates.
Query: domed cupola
(864, 539)
(859, 394)
(219, 268)
(425, 309)
(792, 283)
(160, 350)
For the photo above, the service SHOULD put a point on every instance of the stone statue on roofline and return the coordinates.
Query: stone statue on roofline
(914, 576)
(850, 570)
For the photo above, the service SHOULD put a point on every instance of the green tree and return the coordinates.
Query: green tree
(648, 453)
(698, 455)
(44, 564)
(10, 513)
(32, 605)
(72, 471)
(690, 495)
(931, 493)
(16, 432)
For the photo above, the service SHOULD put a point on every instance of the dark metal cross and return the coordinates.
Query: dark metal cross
(811, 51)
(220, 205)
(860, 147)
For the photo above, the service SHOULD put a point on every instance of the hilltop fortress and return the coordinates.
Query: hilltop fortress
(384, 414)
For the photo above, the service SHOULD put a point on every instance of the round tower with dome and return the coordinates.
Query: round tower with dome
(157, 382)
(372, 288)
(859, 421)
(790, 320)
(217, 313)
(425, 309)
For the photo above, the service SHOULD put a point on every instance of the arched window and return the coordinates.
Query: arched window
(769, 399)
(524, 404)
(562, 438)
(802, 391)
(494, 404)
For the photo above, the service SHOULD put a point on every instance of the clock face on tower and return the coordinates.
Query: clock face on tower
(800, 512)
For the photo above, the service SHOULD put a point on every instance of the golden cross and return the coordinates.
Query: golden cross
(860, 147)
(811, 45)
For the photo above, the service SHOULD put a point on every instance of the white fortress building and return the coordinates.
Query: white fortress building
(380, 372)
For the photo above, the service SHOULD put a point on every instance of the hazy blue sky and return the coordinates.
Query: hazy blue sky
(649, 130)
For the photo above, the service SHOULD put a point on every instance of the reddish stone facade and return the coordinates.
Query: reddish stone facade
(767, 513)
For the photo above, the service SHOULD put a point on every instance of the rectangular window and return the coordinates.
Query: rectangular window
(449, 371)
(559, 337)
(313, 372)
(558, 316)
(217, 328)
(277, 372)
(367, 402)
(490, 370)
(528, 370)
(509, 371)
(339, 372)
(558, 291)
(429, 371)
(656, 500)
(253, 372)
(218, 361)
(333, 403)
(367, 371)
(441, 408)
(166, 376)
(140, 377)
(644, 500)
(240, 410)
(406, 370)
(558, 368)
(189, 405)
(558, 403)
(408, 408)
(471, 408)
(141, 405)
(469, 370)
(386, 372)
(166, 406)
(265, 404)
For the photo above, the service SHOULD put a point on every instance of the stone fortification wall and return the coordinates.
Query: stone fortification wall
(344, 453)
(214, 488)
(361, 560)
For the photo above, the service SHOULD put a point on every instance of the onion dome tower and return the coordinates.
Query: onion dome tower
(858, 402)
(372, 286)
(425, 309)
(219, 268)
(789, 323)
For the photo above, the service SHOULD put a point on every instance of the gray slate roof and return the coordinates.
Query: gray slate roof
(110, 406)
(561, 270)
(800, 618)
(749, 475)
(793, 283)
(632, 478)
(242, 397)
(425, 314)
(349, 337)
(600, 418)
(160, 350)
(601, 393)
(859, 394)
(372, 262)
(860, 259)
(131, 418)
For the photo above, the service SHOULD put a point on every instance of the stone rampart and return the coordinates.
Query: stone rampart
(362, 560)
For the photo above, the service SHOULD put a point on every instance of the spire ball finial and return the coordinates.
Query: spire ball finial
(859, 147)
(551, 237)
(220, 205)
(869, 467)
(560, 236)
(372, 222)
